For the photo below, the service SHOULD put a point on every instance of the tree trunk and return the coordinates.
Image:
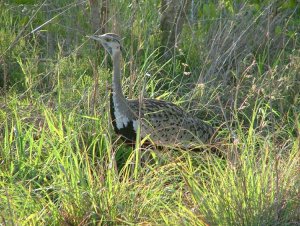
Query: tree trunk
(104, 16)
(95, 16)
(173, 15)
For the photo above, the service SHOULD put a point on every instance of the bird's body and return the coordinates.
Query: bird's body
(165, 123)
(162, 123)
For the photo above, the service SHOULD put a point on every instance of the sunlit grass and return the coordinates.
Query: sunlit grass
(56, 174)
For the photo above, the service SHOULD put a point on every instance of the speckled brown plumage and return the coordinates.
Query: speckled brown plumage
(170, 125)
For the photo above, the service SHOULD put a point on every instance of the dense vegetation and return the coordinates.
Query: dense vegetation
(236, 64)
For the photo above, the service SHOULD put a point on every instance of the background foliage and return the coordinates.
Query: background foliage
(234, 64)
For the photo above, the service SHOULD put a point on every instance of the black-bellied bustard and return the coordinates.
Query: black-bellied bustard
(164, 123)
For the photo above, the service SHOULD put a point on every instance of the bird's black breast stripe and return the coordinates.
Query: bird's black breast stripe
(127, 131)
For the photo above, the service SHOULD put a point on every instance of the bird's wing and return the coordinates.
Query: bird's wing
(169, 124)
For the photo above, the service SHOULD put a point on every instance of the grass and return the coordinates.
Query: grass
(62, 164)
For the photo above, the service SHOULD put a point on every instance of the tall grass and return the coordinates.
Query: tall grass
(62, 164)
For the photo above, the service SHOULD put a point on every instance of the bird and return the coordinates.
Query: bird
(161, 123)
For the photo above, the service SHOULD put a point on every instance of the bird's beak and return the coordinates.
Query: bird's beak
(95, 37)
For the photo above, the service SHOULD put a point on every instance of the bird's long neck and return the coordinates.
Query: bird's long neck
(117, 87)
(122, 115)
(119, 101)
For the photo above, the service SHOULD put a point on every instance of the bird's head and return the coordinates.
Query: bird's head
(111, 42)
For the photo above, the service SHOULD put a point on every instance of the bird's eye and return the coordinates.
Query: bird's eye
(107, 39)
